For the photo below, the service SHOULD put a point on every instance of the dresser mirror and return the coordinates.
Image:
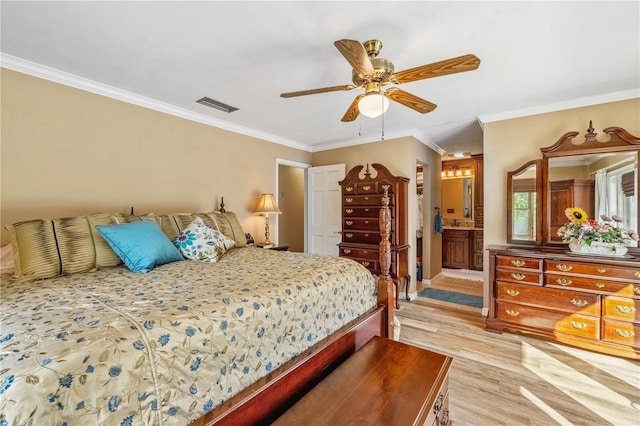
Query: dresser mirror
(599, 175)
(524, 204)
(457, 199)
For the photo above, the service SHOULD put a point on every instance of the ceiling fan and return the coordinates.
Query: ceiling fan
(373, 74)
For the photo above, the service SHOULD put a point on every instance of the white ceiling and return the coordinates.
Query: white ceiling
(535, 57)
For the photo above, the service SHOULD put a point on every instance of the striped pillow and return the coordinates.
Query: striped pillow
(46, 248)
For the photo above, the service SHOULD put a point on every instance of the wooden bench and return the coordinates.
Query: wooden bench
(384, 383)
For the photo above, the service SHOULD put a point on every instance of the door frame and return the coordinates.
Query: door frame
(299, 165)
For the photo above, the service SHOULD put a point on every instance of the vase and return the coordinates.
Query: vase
(599, 248)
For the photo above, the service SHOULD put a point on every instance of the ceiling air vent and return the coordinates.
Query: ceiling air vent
(217, 105)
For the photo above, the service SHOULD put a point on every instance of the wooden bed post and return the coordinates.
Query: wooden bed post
(385, 283)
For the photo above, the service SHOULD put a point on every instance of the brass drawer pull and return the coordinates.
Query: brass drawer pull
(349, 188)
(438, 405)
(579, 302)
(349, 222)
(517, 262)
(349, 200)
(564, 281)
(349, 235)
(563, 267)
(636, 290)
(518, 277)
(365, 263)
(366, 187)
(349, 211)
(511, 292)
(366, 222)
(601, 270)
(511, 312)
(637, 274)
(579, 325)
(347, 251)
(625, 309)
(625, 333)
(599, 285)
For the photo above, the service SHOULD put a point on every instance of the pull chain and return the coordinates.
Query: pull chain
(382, 106)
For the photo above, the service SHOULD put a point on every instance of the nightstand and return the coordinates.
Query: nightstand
(277, 248)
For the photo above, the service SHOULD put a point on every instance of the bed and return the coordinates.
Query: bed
(234, 341)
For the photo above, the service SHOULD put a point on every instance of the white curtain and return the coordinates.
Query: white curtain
(601, 194)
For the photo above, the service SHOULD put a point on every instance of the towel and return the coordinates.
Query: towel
(438, 223)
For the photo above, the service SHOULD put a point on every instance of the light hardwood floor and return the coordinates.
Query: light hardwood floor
(509, 379)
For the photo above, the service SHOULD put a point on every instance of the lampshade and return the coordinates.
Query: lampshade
(373, 104)
(267, 204)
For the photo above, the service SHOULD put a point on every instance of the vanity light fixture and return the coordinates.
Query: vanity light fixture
(467, 171)
(458, 172)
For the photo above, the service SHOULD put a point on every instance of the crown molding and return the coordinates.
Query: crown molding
(559, 106)
(51, 74)
(353, 142)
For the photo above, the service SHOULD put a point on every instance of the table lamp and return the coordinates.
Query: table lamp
(266, 205)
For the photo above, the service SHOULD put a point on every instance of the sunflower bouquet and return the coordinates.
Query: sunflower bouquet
(583, 230)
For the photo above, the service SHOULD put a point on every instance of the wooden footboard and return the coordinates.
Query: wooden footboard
(267, 399)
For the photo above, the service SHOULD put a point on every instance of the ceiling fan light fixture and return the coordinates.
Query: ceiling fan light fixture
(373, 104)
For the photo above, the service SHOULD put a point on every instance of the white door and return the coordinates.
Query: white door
(325, 209)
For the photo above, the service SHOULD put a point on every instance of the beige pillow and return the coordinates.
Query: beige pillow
(228, 224)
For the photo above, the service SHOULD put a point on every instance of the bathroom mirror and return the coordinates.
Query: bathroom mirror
(457, 199)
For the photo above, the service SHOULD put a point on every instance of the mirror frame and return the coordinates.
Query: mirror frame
(539, 211)
(620, 141)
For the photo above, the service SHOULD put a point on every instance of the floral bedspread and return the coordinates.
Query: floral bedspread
(116, 348)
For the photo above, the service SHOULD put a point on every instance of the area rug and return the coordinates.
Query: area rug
(463, 274)
(451, 297)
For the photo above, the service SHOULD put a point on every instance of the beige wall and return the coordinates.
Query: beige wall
(400, 157)
(510, 143)
(69, 152)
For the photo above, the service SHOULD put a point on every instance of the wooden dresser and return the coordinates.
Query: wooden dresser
(361, 201)
(589, 302)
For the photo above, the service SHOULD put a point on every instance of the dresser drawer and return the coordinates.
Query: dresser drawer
(621, 308)
(561, 300)
(625, 333)
(601, 270)
(360, 224)
(519, 275)
(519, 262)
(360, 253)
(361, 237)
(588, 283)
(348, 212)
(364, 200)
(560, 322)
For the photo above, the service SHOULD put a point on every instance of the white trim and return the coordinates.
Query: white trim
(31, 68)
(51, 74)
(284, 162)
(559, 106)
(353, 142)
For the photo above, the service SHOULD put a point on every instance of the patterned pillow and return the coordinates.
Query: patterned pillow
(201, 242)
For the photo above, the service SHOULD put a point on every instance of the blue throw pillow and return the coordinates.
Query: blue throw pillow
(141, 245)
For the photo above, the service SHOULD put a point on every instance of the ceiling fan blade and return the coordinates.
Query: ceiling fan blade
(436, 69)
(353, 111)
(355, 53)
(409, 100)
(314, 91)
